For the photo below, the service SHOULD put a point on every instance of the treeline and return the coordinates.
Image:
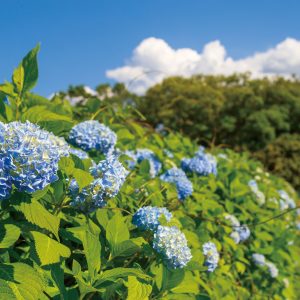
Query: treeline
(260, 116)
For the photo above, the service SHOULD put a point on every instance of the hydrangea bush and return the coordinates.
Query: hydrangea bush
(95, 224)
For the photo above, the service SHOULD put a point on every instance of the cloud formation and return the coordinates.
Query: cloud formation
(153, 60)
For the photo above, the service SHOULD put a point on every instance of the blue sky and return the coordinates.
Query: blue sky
(81, 40)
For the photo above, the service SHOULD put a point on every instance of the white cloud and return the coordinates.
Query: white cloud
(153, 60)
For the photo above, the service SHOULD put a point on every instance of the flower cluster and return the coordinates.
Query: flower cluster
(183, 184)
(29, 156)
(212, 256)
(109, 176)
(285, 201)
(260, 260)
(92, 135)
(202, 163)
(239, 233)
(144, 154)
(147, 217)
(171, 243)
(79, 153)
(260, 197)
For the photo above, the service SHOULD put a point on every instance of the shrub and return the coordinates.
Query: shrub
(51, 248)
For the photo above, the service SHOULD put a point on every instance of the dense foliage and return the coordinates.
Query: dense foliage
(108, 219)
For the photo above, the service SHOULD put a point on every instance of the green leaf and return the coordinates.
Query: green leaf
(125, 248)
(114, 274)
(36, 214)
(48, 250)
(57, 274)
(82, 178)
(116, 233)
(22, 282)
(18, 79)
(89, 235)
(137, 289)
(9, 234)
(30, 66)
(188, 285)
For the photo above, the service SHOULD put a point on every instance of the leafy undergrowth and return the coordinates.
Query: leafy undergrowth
(72, 235)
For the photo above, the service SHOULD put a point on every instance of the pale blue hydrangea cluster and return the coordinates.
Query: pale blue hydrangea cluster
(144, 154)
(92, 135)
(260, 260)
(202, 163)
(29, 156)
(109, 176)
(240, 233)
(171, 244)
(285, 201)
(148, 217)
(178, 177)
(211, 256)
(79, 153)
(298, 225)
(272, 269)
(260, 196)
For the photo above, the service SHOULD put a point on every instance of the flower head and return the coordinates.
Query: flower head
(92, 135)
(259, 259)
(109, 177)
(260, 197)
(171, 243)
(147, 217)
(212, 256)
(285, 200)
(272, 269)
(30, 155)
(178, 177)
(244, 232)
(202, 163)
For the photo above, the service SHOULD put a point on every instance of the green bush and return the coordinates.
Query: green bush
(282, 157)
(52, 250)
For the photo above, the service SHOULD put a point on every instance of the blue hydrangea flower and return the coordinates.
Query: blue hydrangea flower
(5, 182)
(244, 232)
(260, 197)
(298, 225)
(259, 259)
(272, 269)
(285, 200)
(239, 233)
(212, 256)
(202, 163)
(178, 177)
(109, 176)
(147, 217)
(142, 154)
(79, 153)
(171, 243)
(92, 135)
(30, 155)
